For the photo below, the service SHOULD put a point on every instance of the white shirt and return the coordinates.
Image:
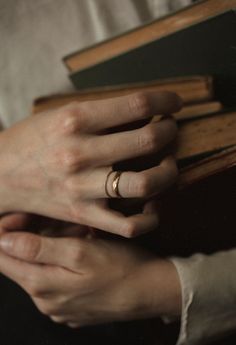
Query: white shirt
(34, 37)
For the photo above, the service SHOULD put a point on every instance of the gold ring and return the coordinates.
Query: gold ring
(115, 183)
(106, 183)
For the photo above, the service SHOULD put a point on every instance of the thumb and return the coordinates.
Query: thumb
(21, 245)
(64, 252)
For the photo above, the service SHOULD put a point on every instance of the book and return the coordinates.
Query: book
(192, 89)
(152, 31)
(204, 48)
(199, 215)
(206, 135)
(205, 168)
(198, 110)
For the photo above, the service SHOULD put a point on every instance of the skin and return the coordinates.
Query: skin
(82, 281)
(59, 162)
(56, 164)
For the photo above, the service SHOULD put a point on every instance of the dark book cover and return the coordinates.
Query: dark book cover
(208, 48)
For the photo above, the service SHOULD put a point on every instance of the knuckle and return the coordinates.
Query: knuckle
(171, 169)
(140, 104)
(58, 319)
(130, 229)
(51, 304)
(74, 188)
(47, 308)
(70, 123)
(148, 139)
(71, 118)
(78, 213)
(143, 186)
(72, 160)
(34, 287)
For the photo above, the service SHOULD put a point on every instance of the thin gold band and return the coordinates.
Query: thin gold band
(106, 184)
(115, 183)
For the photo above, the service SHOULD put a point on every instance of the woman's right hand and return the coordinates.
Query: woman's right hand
(56, 164)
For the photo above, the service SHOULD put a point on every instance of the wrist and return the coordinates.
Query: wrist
(159, 289)
(7, 192)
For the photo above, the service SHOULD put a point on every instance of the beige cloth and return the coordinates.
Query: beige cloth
(209, 297)
(34, 37)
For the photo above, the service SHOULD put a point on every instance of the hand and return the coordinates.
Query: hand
(42, 225)
(56, 164)
(81, 281)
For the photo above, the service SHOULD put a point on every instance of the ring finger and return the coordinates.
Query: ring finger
(104, 183)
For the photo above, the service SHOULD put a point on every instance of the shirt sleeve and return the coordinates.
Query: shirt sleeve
(208, 296)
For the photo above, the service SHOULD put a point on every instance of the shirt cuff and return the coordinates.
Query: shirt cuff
(208, 285)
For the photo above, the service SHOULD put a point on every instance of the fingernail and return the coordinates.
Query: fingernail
(6, 243)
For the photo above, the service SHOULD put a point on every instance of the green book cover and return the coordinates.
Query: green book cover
(208, 47)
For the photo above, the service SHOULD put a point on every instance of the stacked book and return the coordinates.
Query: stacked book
(191, 52)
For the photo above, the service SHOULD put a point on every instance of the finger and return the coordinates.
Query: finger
(116, 223)
(73, 325)
(122, 146)
(94, 116)
(151, 207)
(58, 319)
(42, 250)
(15, 221)
(98, 183)
(33, 279)
(88, 184)
(68, 231)
(147, 183)
(21, 221)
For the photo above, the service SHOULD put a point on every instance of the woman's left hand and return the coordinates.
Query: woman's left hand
(86, 281)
